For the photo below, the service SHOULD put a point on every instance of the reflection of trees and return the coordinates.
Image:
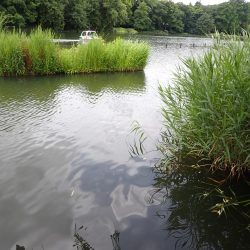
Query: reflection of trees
(189, 218)
(80, 242)
(20, 247)
(46, 87)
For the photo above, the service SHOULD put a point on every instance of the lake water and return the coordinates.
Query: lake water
(64, 157)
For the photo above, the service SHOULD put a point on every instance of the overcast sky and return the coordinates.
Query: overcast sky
(204, 2)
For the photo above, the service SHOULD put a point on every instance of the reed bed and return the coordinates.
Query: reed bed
(207, 110)
(36, 54)
(98, 56)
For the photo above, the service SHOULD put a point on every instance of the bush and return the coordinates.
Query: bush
(207, 110)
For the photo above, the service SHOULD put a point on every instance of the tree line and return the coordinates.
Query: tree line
(142, 15)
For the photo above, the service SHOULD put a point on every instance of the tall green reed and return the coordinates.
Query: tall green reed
(11, 54)
(207, 110)
(43, 52)
(98, 56)
(36, 54)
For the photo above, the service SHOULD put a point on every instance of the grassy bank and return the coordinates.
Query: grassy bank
(36, 54)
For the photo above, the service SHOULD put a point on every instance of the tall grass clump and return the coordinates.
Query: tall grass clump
(37, 54)
(98, 56)
(43, 53)
(126, 55)
(11, 54)
(11, 59)
(207, 110)
(85, 58)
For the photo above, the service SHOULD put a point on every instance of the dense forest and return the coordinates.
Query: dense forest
(142, 15)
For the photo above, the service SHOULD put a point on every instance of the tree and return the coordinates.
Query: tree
(190, 16)
(232, 16)
(205, 24)
(75, 15)
(175, 23)
(103, 15)
(93, 14)
(113, 13)
(141, 17)
(51, 14)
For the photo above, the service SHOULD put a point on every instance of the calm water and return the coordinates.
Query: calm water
(64, 156)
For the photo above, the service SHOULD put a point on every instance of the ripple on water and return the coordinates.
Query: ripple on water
(64, 156)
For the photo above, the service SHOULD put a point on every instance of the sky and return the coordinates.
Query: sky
(204, 2)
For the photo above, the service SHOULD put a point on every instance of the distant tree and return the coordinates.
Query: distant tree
(190, 16)
(75, 15)
(142, 20)
(93, 14)
(113, 13)
(175, 23)
(160, 15)
(232, 16)
(18, 20)
(103, 15)
(241, 17)
(51, 14)
(205, 24)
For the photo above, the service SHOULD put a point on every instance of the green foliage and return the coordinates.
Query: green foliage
(232, 16)
(143, 15)
(3, 20)
(76, 15)
(43, 53)
(205, 24)
(98, 56)
(51, 14)
(11, 56)
(113, 12)
(167, 16)
(38, 55)
(124, 31)
(207, 110)
(142, 20)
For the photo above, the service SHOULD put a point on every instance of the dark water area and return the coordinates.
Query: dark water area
(64, 157)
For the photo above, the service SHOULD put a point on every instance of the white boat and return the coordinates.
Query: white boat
(87, 36)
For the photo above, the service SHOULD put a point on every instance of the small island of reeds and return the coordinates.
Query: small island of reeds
(36, 54)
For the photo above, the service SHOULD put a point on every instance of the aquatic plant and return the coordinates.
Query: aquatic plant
(43, 52)
(11, 54)
(36, 54)
(206, 141)
(207, 109)
(98, 56)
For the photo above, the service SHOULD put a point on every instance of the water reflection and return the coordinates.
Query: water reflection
(80, 242)
(186, 196)
(64, 156)
(42, 88)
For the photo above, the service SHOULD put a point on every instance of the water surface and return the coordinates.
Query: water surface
(65, 160)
